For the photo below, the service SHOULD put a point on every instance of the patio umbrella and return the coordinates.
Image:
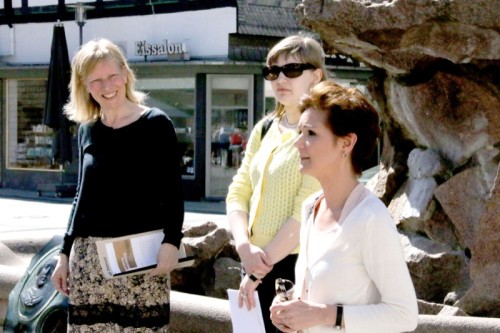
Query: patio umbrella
(57, 96)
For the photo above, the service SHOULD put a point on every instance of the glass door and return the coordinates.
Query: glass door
(229, 119)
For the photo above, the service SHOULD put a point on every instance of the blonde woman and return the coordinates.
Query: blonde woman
(129, 182)
(264, 199)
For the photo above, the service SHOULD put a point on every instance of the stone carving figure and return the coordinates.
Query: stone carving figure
(38, 287)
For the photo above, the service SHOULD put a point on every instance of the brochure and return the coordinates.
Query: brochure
(243, 320)
(134, 254)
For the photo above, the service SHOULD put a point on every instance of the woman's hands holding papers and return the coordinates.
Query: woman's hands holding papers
(167, 258)
(246, 292)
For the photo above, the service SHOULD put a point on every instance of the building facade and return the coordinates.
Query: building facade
(199, 61)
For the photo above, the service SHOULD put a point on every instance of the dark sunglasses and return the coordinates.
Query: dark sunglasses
(291, 71)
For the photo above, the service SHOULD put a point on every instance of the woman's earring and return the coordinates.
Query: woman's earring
(344, 155)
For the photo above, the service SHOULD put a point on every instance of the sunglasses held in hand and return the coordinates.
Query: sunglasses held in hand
(291, 71)
(284, 289)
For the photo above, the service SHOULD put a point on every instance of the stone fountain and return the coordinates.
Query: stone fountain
(434, 82)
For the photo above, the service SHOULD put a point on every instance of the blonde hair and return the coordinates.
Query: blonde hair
(303, 47)
(81, 107)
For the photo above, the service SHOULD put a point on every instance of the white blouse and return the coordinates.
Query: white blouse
(359, 263)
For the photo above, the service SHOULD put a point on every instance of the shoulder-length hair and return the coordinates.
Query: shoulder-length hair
(81, 107)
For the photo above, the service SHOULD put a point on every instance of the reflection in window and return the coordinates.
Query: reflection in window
(29, 142)
(176, 97)
(229, 100)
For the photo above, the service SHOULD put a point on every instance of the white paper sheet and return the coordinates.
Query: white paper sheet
(243, 320)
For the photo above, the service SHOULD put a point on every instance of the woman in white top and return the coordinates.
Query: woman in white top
(351, 275)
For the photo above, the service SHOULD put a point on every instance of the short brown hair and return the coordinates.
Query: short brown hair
(348, 111)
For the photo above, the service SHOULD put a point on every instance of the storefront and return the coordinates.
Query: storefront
(190, 71)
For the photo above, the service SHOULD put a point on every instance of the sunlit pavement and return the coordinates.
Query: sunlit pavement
(28, 216)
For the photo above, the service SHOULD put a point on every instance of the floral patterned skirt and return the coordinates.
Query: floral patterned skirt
(137, 303)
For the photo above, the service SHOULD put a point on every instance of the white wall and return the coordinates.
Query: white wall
(205, 33)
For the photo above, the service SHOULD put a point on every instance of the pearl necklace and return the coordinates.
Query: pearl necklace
(287, 124)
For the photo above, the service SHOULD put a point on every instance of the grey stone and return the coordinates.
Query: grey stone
(424, 163)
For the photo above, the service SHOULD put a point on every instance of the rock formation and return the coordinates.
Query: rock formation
(434, 82)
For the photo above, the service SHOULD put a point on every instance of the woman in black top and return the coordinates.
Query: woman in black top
(129, 182)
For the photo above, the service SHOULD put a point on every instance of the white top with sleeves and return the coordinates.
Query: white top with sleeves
(361, 266)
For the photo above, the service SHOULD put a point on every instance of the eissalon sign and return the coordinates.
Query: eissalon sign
(173, 51)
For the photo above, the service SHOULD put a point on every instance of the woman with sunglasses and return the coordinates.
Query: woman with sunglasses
(351, 275)
(265, 197)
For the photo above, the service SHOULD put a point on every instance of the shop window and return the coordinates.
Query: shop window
(229, 99)
(29, 141)
(176, 97)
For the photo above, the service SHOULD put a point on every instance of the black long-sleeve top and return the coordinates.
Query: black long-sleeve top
(129, 181)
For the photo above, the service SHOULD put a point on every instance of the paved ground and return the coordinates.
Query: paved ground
(28, 222)
(24, 211)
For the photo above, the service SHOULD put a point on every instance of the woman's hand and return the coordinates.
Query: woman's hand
(255, 260)
(168, 257)
(291, 316)
(252, 257)
(60, 275)
(246, 291)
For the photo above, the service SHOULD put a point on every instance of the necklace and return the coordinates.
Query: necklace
(287, 124)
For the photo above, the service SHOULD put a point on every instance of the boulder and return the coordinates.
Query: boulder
(434, 82)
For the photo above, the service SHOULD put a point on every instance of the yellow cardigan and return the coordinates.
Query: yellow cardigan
(268, 185)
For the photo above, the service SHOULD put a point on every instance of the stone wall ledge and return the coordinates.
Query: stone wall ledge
(200, 314)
